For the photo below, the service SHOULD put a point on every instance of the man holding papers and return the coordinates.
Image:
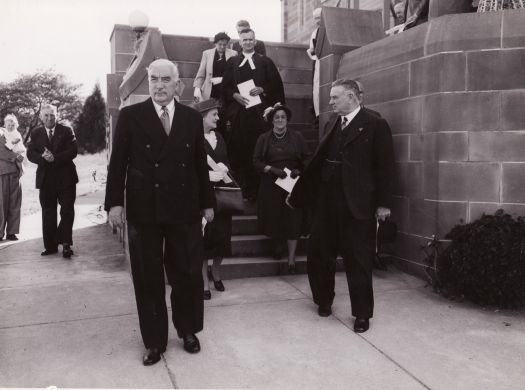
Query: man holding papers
(347, 185)
(251, 83)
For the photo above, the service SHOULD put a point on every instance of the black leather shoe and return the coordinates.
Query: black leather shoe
(324, 310)
(361, 325)
(48, 252)
(206, 295)
(291, 269)
(191, 343)
(12, 237)
(151, 356)
(67, 252)
(219, 286)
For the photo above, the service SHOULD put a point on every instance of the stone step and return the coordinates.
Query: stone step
(258, 245)
(243, 267)
(244, 224)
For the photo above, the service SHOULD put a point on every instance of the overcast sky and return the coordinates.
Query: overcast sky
(72, 36)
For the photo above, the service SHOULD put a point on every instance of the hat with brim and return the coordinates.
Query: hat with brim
(206, 105)
(270, 112)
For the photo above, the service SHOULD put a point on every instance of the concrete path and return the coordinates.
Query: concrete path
(74, 324)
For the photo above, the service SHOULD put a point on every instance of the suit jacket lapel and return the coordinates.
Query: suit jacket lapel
(151, 124)
(355, 128)
(332, 124)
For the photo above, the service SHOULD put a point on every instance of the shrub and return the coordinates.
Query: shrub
(485, 262)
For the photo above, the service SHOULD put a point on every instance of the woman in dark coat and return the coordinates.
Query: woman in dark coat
(276, 150)
(217, 234)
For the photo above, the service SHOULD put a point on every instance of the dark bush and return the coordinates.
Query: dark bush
(485, 262)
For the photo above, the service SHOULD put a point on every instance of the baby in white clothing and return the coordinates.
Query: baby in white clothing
(13, 138)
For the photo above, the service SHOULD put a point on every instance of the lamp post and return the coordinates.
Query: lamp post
(138, 21)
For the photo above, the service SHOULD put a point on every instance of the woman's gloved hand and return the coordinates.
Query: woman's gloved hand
(216, 176)
(278, 172)
(295, 173)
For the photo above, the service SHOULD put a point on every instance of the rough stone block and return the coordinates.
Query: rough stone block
(410, 247)
(403, 116)
(324, 98)
(461, 32)
(132, 99)
(387, 52)
(438, 73)
(401, 147)
(478, 209)
(185, 48)
(329, 66)
(400, 212)
(298, 90)
(187, 69)
(514, 28)
(462, 181)
(408, 179)
(122, 62)
(289, 55)
(461, 111)
(445, 7)
(496, 70)
(387, 84)
(296, 76)
(512, 110)
(439, 147)
(300, 109)
(434, 217)
(122, 39)
(497, 146)
(513, 190)
(112, 83)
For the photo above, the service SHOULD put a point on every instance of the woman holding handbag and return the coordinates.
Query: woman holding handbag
(217, 234)
(276, 150)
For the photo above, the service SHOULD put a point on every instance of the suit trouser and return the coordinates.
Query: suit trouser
(10, 203)
(334, 231)
(50, 196)
(177, 249)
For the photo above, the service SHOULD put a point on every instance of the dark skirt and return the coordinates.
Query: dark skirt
(275, 218)
(217, 237)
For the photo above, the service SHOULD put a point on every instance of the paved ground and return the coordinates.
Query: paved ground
(74, 324)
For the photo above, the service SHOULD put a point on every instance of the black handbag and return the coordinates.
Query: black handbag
(229, 199)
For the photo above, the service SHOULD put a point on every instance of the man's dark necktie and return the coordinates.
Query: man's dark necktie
(50, 136)
(344, 122)
(165, 119)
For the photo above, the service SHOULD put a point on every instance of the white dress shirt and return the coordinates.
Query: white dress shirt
(350, 116)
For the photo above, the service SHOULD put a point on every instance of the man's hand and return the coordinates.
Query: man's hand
(256, 91)
(382, 213)
(240, 99)
(295, 173)
(48, 156)
(116, 216)
(278, 172)
(208, 215)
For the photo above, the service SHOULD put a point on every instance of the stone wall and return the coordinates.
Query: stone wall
(297, 20)
(453, 91)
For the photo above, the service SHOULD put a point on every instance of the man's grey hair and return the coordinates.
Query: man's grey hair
(348, 84)
(46, 107)
(162, 61)
(243, 23)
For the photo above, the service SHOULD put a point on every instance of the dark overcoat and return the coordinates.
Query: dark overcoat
(165, 177)
(367, 166)
(64, 149)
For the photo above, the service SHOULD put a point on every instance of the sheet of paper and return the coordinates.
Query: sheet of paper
(287, 183)
(216, 80)
(215, 167)
(244, 90)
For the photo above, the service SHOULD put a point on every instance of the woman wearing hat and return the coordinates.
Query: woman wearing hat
(217, 234)
(276, 150)
(208, 80)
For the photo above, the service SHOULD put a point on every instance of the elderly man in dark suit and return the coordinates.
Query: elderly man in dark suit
(247, 122)
(53, 148)
(158, 157)
(348, 186)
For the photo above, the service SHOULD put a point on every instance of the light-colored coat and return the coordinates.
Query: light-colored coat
(205, 72)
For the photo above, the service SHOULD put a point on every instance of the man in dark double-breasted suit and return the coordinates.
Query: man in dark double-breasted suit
(158, 157)
(347, 185)
(53, 148)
